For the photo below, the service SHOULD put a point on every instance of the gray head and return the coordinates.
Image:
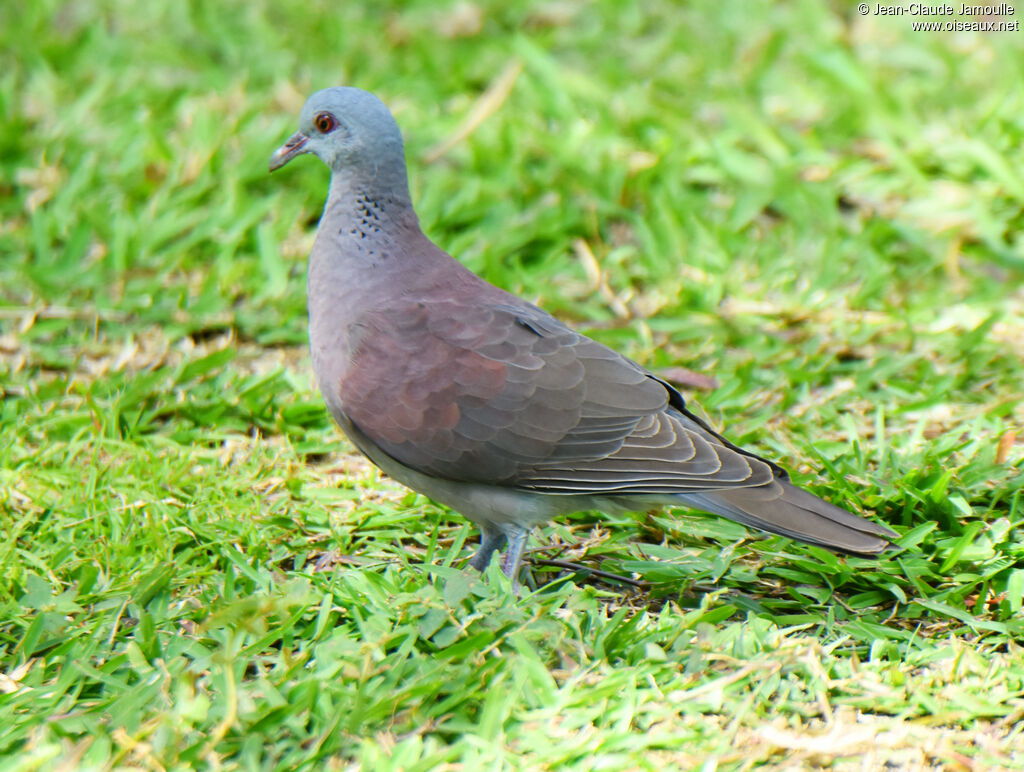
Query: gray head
(352, 132)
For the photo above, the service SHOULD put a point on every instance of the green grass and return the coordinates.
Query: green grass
(823, 210)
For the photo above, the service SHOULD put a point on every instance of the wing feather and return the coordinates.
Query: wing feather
(508, 395)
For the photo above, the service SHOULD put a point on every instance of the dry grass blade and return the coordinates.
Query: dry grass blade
(487, 105)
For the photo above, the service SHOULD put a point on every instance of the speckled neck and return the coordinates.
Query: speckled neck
(365, 225)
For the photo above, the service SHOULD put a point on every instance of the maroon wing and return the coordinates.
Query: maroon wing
(506, 394)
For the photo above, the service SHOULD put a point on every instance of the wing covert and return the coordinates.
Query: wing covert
(508, 395)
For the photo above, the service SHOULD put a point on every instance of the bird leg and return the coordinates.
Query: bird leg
(516, 536)
(491, 539)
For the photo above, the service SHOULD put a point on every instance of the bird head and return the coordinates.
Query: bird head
(349, 129)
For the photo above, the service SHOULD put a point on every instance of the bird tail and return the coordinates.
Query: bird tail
(784, 509)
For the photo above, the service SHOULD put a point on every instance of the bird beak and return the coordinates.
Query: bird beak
(296, 145)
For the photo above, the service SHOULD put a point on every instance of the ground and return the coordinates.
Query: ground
(808, 216)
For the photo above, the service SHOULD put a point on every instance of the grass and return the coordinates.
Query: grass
(822, 210)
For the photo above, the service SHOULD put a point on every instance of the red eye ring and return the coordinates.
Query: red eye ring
(324, 122)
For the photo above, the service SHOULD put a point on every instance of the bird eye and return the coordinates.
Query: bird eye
(324, 122)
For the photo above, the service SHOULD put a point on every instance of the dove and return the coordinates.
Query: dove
(484, 402)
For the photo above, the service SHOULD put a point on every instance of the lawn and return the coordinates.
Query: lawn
(822, 211)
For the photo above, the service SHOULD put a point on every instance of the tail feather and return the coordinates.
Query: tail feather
(784, 509)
